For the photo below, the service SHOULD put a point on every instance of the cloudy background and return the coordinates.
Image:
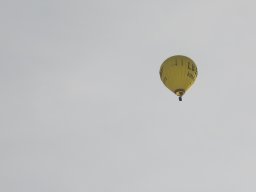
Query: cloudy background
(82, 107)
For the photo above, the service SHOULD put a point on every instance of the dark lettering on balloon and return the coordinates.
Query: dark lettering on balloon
(190, 76)
(191, 66)
(165, 79)
(196, 72)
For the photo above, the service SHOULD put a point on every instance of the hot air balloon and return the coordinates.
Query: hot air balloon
(178, 73)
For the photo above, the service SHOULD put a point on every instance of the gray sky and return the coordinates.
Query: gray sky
(83, 108)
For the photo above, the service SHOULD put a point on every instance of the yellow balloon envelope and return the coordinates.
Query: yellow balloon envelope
(178, 73)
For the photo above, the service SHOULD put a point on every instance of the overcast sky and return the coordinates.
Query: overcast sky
(83, 109)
